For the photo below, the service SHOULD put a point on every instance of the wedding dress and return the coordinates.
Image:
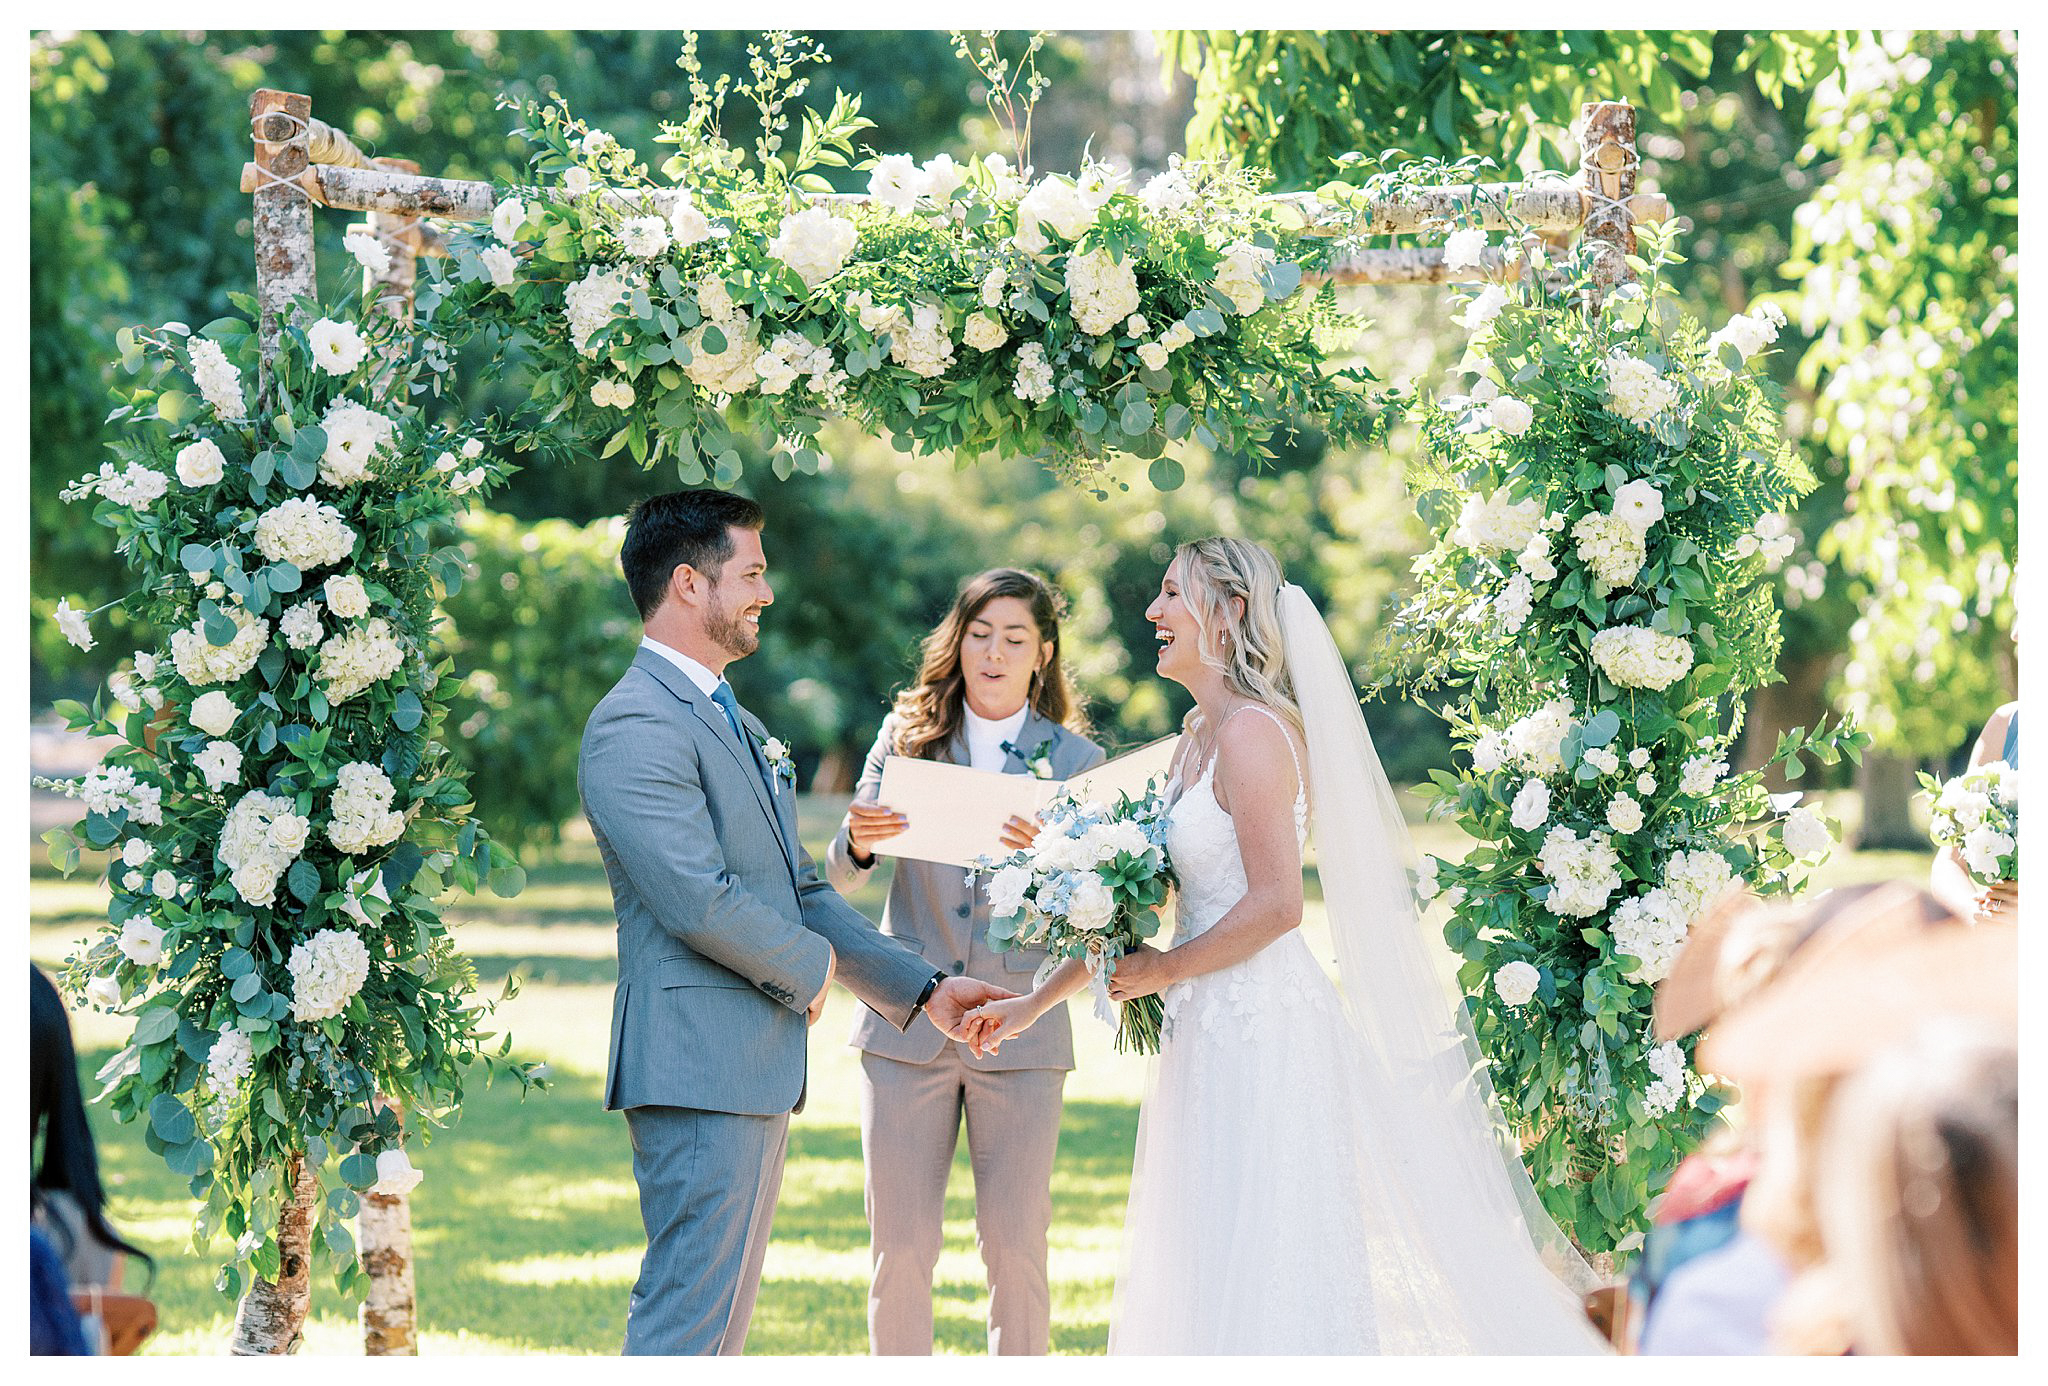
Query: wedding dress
(1312, 1176)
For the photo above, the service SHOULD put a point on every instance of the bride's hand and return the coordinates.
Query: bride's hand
(988, 1026)
(1140, 972)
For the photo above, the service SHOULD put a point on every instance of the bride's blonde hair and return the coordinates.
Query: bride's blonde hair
(1247, 650)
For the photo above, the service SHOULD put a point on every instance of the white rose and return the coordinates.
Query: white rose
(1240, 277)
(1053, 202)
(1624, 814)
(1532, 805)
(396, 1174)
(1639, 757)
(142, 943)
(135, 851)
(1092, 907)
(687, 224)
(201, 463)
(214, 712)
(815, 244)
(1516, 982)
(1006, 889)
(943, 178)
(1484, 391)
(1640, 503)
(1511, 416)
(576, 181)
(338, 347)
(1153, 355)
(1806, 834)
(983, 332)
(164, 884)
(288, 833)
(346, 596)
(1483, 309)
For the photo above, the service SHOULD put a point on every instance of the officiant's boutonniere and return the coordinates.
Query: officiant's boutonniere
(779, 762)
(1039, 762)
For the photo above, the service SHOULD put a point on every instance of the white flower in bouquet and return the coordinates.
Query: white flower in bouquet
(1582, 871)
(219, 382)
(1056, 202)
(1531, 806)
(338, 347)
(1512, 607)
(1167, 193)
(1136, 326)
(687, 224)
(508, 220)
(258, 841)
(356, 435)
(1033, 382)
(304, 533)
(924, 348)
(369, 252)
(1102, 289)
(346, 595)
(1426, 883)
(1091, 907)
(1534, 558)
(1700, 774)
(1241, 276)
(213, 713)
(136, 851)
(1516, 983)
(1646, 784)
(201, 463)
(164, 884)
(1696, 878)
(136, 487)
(1636, 390)
(1638, 657)
(396, 1174)
(327, 970)
(229, 1061)
(501, 265)
(1639, 503)
(1004, 183)
(1806, 834)
(1536, 741)
(815, 244)
(1097, 184)
(612, 393)
(1484, 390)
(1154, 355)
(300, 625)
(104, 992)
(1510, 415)
(352, 660)
(576, 181)
(220, 763)
(1748, 333)
(1639, 757)
(1497, 523)
(1176, 336)
(1601, 759)
(643, 238)
(362, 814)
(1650, 928)
(983, 332)
(1611, 547)
(1482, 309)
(1667, 1090)
(1490, 751)
(992, 286)
(75, 624)
(1007, 888)
(135, 881)
(1464, 247)
(1982, 847)
(731, 371)
(141, 942)
(1624, 814)
(942, 178)
(352, 906)
(594, 300)
(200, 662)
(896, 182)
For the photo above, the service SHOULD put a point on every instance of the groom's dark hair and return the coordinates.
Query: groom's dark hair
(665, 532)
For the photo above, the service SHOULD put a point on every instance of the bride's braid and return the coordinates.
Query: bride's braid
(1247, 651)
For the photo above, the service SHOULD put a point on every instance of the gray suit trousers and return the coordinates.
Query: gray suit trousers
(909, 1125)
(708, 1182)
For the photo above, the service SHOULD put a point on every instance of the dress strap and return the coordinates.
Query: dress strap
(1300, 780)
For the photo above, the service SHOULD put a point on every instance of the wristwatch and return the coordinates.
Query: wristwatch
(926, 995)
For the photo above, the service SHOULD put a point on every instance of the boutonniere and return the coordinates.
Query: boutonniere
(780, 764)
(1039, 762)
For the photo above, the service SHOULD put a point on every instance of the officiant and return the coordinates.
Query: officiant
(992, 694)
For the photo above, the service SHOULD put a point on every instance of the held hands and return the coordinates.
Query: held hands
(1999, 904)
(988, 1027)
(1140, 972)
(868, 824)
(817, 1006)
(955, 997)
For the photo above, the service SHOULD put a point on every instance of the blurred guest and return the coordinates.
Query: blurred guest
(1920, 1215)
(2000, 740)
(53, 1326)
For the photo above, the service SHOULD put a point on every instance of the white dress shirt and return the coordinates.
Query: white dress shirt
(705, 680)
(985, 738)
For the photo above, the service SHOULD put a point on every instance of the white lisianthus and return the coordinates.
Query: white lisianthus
(300, 625)
(508, 219)
(1102, 289)
(229, 1061)
(468, 481)
(612, 393)
(1510, 415)
(1092, 906)
(1177, 336)
(1640, 503)
(1484, 391)
(1464, 247)
(141, 942)
(983, 332)
(1531, 806)
(1241, 276)
(1426, 883)
(76, 624)
(1638, 657)
(338, 347)
(327, 971)
(815, 244)
(346, 596)
(104, 992)
(1806, 834)
(896, 183)
(1982, 847)
(1534, 559)
(1646, 784)
(136, 882)
(1624, 814)
(369, 252)
(304, 533)
(992, 286)
(1636, 390)
(201, 463)
(213, 713)
(1004, 184)
(1516, 983)
(500, 265)
(396, 1174)
(1639, 757)
(942, 178)
(356, 436)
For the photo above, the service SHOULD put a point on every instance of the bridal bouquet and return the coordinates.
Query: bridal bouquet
(1089, 887)
(1978, 814)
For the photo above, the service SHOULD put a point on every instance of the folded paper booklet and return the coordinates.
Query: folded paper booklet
(957, 814)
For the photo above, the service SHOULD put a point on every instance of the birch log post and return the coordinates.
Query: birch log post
(1607, 137)
(283, 221)
(390, 1312)
(271, 1319)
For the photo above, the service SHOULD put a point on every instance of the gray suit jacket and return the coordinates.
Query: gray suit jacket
(943, 911)
(723, 921)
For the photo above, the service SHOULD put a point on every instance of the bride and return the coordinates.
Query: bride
(1315, 1173)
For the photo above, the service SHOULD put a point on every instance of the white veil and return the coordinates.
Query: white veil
(1465, 1259)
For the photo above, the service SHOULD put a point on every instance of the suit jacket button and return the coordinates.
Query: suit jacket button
(966, 910)
(958, 968)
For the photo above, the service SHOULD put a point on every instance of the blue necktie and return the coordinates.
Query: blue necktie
(729, 705)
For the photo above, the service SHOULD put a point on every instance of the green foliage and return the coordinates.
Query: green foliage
(1907, 261)
(280, 793)
(1608, 479)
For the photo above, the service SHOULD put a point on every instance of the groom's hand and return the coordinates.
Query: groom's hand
(955, 997)
(817, 1006)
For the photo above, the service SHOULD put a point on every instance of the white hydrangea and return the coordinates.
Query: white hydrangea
(593, 300)
(508, 220)
(1053, 201)
(923, 348)
(1464, 247)
(362, 814)
(1516, 983)
(1167, 193)
(1748, 333)
(1536, 742)
(1624, 814)
(219, 382)
(1636, 390)
(338, 347)
(1512, 607)
(1034, 374)
(1700, 774)
(1667, 1090)
(352, 660)
(501, 265)
(815, 243)
(327, 970)
(1102, 289)
(201, 663)
(260, 839)
(644, 237)
(356, 435)
(792, 357)
(346, 596)
(76, 624)
(984, 332)
(369, 252)
(731, 371)
(1583, 872)
(1806, 834)
(220, 763)
(141, 942)
(201, 463)
(1092, 906)
(1638, 657)
(1611, 547)
(304, 533)
(229, 1061)
(1240, 277)
(1696, 878)
(214, 712)
(1497, 523)
(1531, 807)
(300, 625)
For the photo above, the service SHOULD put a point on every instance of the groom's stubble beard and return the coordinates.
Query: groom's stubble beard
(724, 626)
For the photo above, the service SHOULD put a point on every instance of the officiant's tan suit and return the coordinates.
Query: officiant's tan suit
(919, 1084)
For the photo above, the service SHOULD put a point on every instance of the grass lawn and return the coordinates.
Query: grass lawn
(527, 1231)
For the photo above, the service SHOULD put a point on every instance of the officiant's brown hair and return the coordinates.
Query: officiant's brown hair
(930, 711)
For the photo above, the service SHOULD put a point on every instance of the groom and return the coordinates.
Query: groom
(728, 940)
